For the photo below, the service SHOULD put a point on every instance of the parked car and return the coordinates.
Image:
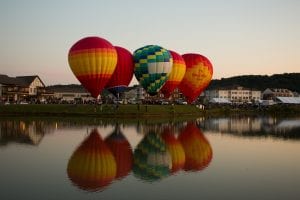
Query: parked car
(162, 102)
(181, 102)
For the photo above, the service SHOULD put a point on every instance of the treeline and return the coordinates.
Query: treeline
(70, 87)
(289, 81)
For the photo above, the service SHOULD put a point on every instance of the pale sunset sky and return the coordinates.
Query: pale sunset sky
(240, 37)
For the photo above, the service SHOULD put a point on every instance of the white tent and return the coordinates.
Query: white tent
(288, 100)
(220, 101)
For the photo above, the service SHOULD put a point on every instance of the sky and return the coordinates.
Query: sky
(240, 37)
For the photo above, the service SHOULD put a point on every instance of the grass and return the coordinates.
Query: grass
(99, 110)
(129, 112)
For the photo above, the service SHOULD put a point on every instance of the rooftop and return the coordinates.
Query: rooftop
(19, 80)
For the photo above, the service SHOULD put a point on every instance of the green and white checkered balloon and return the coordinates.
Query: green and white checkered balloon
(152, 66)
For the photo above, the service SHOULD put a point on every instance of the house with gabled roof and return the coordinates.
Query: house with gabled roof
(273, 93)
(21, 88)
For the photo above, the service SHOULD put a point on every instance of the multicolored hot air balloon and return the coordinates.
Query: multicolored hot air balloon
(122, 152)
(93, 61)
(198, 152)
(152, 66)
(152, 161)
(92, 166)
(197, 77)
(176, 75)
(175, 148)
(123, 72)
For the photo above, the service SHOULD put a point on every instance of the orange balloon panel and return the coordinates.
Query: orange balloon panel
(198, 152)
(175, 148)
(197, 77)
(92, 165)
(93, 61)
(176, 75)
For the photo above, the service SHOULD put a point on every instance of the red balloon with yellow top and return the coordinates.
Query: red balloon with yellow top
(93, 61)
(92, 166)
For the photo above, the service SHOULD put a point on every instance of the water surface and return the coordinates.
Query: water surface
(228, 158)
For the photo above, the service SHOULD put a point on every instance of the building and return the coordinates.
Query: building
(236, 94)
(71, 94)
(222, 101)
(272, 93)
(22, 88)
(134, 94)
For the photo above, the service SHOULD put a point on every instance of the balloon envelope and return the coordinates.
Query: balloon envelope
(152, 66)
(152, 161)
(176, 75)
(175, 148)
(92, 165)
(198, 152)
(197, 77)
(123, 72)
(93, 61)
(122, 152)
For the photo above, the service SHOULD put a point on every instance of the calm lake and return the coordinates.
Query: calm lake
(206, 158)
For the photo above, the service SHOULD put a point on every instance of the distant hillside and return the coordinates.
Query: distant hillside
(287, 80)
(70, 88)
(290, 81)
(66, 88)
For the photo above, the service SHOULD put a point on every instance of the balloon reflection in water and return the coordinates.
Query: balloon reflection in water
(92, 166)
(198, 152)
(122, 152)
(175, 148)
(152, 161)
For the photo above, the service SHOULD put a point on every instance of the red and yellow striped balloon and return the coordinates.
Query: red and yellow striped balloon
(92, 166)
(198, 152)
(176, 75)
(93, 61)
(175, 148)
(197, 77)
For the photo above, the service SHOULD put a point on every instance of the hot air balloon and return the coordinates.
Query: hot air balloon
(122, 152)
(176, 75)
(93, 61)
(152, 66)
(197, 77)
(92, 166)
(123, 73)
(198, 152)
(152, 161)
(175, 148)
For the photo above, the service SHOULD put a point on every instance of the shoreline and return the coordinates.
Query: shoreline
(110, 111)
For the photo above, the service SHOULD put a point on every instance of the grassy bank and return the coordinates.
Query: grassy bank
(99, 110)
(139, 111)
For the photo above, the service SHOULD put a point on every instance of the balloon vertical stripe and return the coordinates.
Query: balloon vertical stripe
(176, 75)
